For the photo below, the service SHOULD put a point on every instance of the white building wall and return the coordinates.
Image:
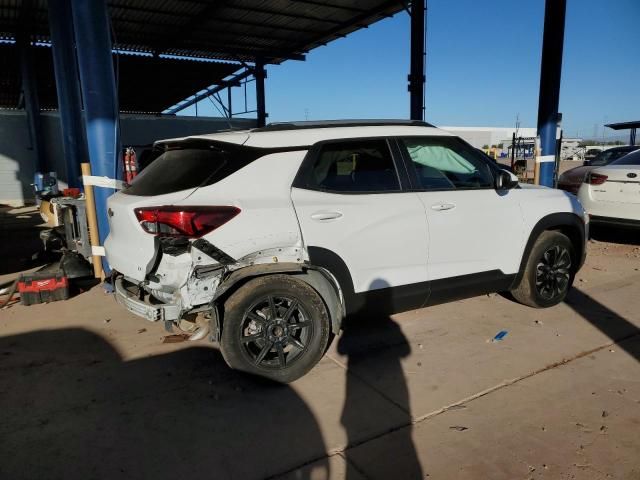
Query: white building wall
(480, 136)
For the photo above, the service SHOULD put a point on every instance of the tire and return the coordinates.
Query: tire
(281, 349)
(549, 271)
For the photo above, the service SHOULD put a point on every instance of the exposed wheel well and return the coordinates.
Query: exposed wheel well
(568, 224)
(575, 235)
(320, 281)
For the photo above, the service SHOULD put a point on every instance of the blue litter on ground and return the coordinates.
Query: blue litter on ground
(500, 335)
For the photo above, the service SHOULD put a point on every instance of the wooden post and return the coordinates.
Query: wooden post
(536, 166)
(92, 221)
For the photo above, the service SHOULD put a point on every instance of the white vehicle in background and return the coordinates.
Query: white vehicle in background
(272, 236)
(611, 194)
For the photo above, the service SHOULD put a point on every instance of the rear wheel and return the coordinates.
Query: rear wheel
(275, 327)
(549, 271)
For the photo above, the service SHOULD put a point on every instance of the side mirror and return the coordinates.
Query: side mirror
(505, 180)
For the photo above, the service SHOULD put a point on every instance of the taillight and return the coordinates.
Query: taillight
(595, 178)
(184, 221)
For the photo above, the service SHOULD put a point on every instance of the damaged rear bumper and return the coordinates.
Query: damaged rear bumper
(151, 312)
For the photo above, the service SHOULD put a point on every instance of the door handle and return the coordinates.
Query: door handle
(325, 215)
(439, 207)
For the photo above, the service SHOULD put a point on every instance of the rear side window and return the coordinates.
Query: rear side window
(444, 164)
(187, 168)
(354, 166)
(629, 159)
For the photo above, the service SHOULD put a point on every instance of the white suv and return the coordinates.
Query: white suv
(269, 238)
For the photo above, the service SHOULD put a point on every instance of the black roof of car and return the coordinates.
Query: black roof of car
(274, 127)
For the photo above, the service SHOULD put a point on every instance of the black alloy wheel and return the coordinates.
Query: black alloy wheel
(275, 331)
(553, 272)
(275, 326)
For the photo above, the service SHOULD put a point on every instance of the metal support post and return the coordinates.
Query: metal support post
(29, 87)
(260, 74)
(68, 89)
(550, 74)
(417, 73)
(95, 62)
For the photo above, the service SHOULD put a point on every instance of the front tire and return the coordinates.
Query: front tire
(275, 327)
(549, 271)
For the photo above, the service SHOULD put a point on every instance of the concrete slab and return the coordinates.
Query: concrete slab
(430, 358)
(338, 469)
(579, 420)
(96, 394)
(68, 394)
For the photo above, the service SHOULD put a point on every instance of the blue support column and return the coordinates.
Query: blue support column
(95, 62)
(68, 89)
(550, 74)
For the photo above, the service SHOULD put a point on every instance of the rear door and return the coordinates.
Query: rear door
(357, 220)
(475, 232)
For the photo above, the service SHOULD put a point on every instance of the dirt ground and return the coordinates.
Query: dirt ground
(88, 390)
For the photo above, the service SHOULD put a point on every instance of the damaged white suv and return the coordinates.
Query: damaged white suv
(268, 238)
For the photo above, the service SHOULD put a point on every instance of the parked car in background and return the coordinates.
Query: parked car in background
(611, 194)
(267, 238)
(591, 153)
(571, 180)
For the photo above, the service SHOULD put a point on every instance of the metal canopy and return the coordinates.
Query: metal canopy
(624, 125)
(264, 32)
(145, 84)
(631, 126)
(231, 30)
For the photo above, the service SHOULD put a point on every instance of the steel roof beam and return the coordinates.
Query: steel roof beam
(232, 82)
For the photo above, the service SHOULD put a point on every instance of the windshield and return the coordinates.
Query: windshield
(632, 158)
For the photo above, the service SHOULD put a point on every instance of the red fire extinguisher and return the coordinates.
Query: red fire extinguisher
(130, 164)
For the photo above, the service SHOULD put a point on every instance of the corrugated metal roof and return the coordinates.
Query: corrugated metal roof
(238, 30)
(145, 84)
(225, 30)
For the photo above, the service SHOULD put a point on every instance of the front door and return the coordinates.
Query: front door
(475, 232)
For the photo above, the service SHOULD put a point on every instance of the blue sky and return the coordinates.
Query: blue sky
(470, 77)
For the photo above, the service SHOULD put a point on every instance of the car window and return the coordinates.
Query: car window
(442, 163)
(186, 168)
(602, 158)
(632, 158)
(354, 166)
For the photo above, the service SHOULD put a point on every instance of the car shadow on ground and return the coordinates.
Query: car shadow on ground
(608, 234)
(72, 408)
(364, 335)
(613, 325)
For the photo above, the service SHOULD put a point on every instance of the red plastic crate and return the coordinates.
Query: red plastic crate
(43, 287)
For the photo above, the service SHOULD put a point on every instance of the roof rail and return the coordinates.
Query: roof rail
(299, 125)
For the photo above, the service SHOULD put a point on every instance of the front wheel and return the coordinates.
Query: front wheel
(275, 327)
(549, 271)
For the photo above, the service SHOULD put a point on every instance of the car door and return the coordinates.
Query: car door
(475, 232)
(359, 222)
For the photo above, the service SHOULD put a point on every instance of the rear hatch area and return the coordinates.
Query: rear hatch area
(622, 185)
(172, 177)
